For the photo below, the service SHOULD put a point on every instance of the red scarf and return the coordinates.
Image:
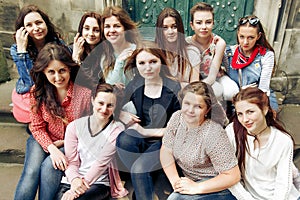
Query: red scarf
(239, 60)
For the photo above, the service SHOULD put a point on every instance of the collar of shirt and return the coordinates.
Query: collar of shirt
(68, 98)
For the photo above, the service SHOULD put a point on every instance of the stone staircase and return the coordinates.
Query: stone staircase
(12, 143)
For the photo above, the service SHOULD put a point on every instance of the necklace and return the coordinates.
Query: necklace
(258, 134)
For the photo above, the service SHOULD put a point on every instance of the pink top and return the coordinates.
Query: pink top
(47, 129)
(92, 157)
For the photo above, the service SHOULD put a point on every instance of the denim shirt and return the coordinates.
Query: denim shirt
(24, 64)
(250, 74)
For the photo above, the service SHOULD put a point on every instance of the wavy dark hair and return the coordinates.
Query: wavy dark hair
(87, 47)
(131, 34)
(181, 51)
(52, 36)
(255, 96)
(90, 72)
(43, 90)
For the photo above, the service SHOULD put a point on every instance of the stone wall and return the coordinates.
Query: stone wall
(8, 12)
(67, 13)
(268, 12)
(64, 14)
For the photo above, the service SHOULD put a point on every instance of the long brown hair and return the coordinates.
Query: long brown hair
(255, 96)
(181, 47)
(262, 40)
(44, 91)
(150, 47)
(131, 34)
(52, 36)
(86, 46)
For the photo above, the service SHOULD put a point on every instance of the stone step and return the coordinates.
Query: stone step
(13, 136)
(9, 177)
(12, 150)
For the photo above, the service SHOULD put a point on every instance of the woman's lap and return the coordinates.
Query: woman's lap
(95, 192)
(222, 195)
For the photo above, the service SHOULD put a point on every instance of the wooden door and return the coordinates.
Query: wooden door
(227, 14)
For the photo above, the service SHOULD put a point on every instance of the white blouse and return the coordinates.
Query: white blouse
(268, 170)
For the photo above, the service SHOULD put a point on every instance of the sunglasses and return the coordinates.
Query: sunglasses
(252, 21)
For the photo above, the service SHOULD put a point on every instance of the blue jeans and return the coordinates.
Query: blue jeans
(222, 195)
(273, 101)
(37, 172)
(141, 157)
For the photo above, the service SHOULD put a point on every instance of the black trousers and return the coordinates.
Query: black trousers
(95, 192)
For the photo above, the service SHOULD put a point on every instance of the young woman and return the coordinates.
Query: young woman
(86, 49)
(253, 59)
(56, 101)
(212, 48)
(263, 147)
(33, 30)
(184, 59)
(90, 149)
(196, 141)
(120, 39)
(153, 94)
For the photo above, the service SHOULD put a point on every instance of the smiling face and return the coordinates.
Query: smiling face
(194, 109)
(170, 29)
(91, 31)
(202, 24)
(35, 26)
(58, 74)
(247, 38)
(114, 31)
(104, 105)
(148, 65)
(251, 116)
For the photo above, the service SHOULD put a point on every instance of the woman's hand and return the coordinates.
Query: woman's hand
(59, 143)
(128, 118)
(69, 195)
(22, 40)
(78, 47)
(186, 186)
(125, 54)
(216, 39)
(59, 160)
(138, 128)
(79, 186)
(120, 86)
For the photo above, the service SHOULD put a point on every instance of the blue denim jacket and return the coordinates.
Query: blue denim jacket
(250, 75)
(24, 64)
